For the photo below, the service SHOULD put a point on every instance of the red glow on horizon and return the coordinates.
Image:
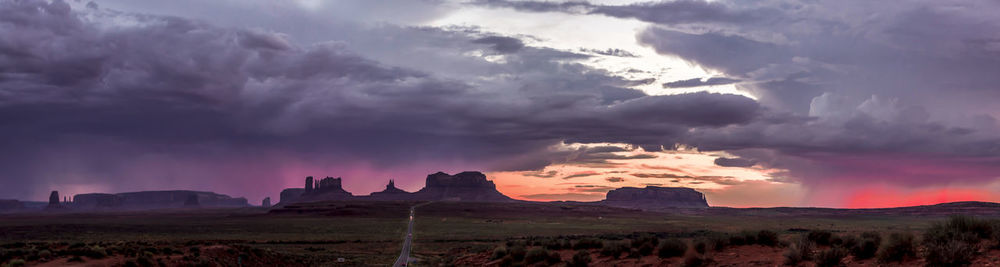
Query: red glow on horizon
(882, 197)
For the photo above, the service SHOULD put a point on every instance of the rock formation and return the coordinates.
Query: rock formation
(191, 201)
(309, 184)
(96, 200)
(465, 186)
(653, 197)
(266, 203)
(290, 195)
(54, 198)
(155, 200)
(54, 203)
(10, 205)
(391, 193)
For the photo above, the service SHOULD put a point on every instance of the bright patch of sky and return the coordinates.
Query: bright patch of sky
(575, 32)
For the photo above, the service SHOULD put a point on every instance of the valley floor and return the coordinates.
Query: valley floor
(450, 233)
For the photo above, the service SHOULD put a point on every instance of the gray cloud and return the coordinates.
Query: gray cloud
(615, 52)
(847, 85)
(696, 82)
(162, 92)
(734, 162)
(501, 44)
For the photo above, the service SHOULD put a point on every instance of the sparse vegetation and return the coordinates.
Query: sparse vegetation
(830, 257)
(672, 247)
(580, 259)
(798, 251)
(897, 248)
(820, 237)
(614, 249)
(536, 254)
(767, 238)
(499, 252)
(588, 243)
(692, 259)
(954, 243)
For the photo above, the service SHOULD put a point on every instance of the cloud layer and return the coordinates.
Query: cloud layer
(122, 87)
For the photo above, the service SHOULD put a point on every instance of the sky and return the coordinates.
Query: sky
(754, 103)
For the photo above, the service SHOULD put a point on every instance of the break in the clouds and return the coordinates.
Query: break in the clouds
(243, 97)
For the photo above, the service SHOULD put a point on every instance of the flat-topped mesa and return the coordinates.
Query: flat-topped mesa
(465, 186)
(463, 179)
(656, 197)
(290, 195)
(10, 205)
(156, 200)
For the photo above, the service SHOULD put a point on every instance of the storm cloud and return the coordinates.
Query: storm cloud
(903, 87)
(154, 92)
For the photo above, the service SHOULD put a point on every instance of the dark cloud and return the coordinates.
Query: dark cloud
(615, 179)
(163, 92)
(670, 12)
(581, 174)
(721, 180)
(734, 162)
(501, 44)
(592, 188)
(696, 82)
(615, 52)
(906, 92)
(540, 174)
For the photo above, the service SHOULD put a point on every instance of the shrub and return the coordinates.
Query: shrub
(553, 244)
(553, 258)
(864, 247)
(643, 239)
(700, 246)
(798, 251)
(16, 263)
(830, 257)
(873, 235)
(536, 254)
(954, 243)
(588, 243)
(566, 244)
(719, 242)
(897, 248)
(750, 237)
(580, 259)
(45, 254)
(614, 249)
(646, 249)
(952, 253)
(849, 241)
(737, 240)
(672, 248)
(692, 259)
(969, 224)
(767, 238)
(820, 237)
(499, 252)
(516, 253)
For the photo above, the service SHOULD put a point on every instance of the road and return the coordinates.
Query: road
(404, 255)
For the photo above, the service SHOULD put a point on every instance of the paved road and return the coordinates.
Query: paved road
(404, 256)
